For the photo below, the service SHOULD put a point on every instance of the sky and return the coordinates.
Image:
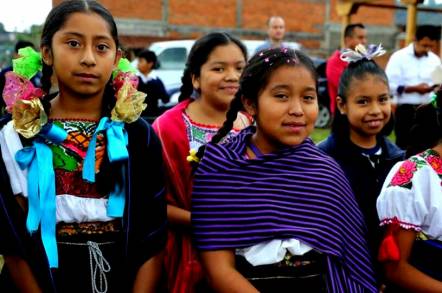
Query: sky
(20, 15)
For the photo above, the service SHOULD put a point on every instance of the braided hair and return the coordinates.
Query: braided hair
(255, 78)
(427, 126)
(199, 54)
(54, 21)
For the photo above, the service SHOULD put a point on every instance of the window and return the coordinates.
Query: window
(172, 59)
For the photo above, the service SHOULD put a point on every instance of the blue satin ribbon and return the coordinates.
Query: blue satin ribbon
(41, 187)
(116, 137)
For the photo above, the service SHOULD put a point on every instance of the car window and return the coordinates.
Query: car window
(172, 59)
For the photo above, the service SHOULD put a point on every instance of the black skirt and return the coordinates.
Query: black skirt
(305, 273)
(89, 261)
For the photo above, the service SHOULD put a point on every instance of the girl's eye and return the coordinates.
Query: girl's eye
(240, 69)
(384, 100)
(218, 69)
(73, 44)
(281, 96)
(309, 98)
(102, 47)
(362, 102)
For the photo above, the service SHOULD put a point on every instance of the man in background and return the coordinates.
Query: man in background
(152, 86)
(354, 34)
(409, 74)
(275, 32)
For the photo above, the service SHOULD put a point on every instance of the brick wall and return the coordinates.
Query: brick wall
(314, 23)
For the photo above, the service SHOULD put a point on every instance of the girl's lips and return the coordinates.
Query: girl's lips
(230, 89)
(295, 127)
(374, 123)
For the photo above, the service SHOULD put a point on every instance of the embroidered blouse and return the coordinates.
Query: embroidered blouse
(412, 195)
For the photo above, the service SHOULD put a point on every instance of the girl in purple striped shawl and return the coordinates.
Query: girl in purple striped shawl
(270, 211)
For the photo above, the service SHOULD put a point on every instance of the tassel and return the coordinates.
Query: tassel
(389, 249)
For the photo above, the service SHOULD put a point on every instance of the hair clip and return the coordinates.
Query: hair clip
(360, 53)
(192, 157)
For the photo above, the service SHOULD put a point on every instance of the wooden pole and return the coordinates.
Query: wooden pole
(411, 22)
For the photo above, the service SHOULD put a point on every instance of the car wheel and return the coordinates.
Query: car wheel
(323, 117)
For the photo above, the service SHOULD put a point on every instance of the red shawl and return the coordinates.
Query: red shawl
(182, 265)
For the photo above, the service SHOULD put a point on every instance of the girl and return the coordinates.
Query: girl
(212, 72)
(410, 205)
(272, 198)
(85, 218)
(358, 140)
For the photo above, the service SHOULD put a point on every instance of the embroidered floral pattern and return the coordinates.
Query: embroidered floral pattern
(405, 173)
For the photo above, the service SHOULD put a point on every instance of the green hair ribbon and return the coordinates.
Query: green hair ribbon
(433, 100)
(123, 66)
(28, 64)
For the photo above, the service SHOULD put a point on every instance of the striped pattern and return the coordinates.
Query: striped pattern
(298, 192)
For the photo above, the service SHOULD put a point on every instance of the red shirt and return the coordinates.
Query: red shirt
(335, 67)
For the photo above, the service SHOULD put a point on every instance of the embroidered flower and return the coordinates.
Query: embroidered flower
(436, 163)
(404, 174)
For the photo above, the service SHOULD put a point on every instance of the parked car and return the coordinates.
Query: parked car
(172, 56)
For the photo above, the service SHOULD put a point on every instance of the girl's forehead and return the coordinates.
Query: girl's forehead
(226, 52)
(86, 23)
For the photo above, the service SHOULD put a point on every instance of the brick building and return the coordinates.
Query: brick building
(313, 23)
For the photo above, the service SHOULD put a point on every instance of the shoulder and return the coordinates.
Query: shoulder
(328, 145)
(172, 118)
(393, 151)
(4, 119)
(140, 131)
(434, 58)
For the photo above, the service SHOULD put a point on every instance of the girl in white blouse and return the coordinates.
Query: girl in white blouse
(410, 206)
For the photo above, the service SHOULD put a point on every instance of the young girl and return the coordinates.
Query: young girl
(410, 205)
(79, 210)
(212, 72)
(272, 198)
(357, 141)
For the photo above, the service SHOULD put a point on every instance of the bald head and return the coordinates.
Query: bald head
(276, 29)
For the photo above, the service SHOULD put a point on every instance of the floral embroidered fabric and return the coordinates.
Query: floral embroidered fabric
(412, 195)
(200, 134)
(69, 156)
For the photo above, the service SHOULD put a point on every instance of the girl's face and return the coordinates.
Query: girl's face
(219, 76)
(83, 55)
(368, 108)
(287, 109)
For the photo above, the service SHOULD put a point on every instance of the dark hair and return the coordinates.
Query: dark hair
(56, 18)
(349, 29)
(23, 44)
(427, 128)
(198, 56)
(430, 31)
(255, 78)
(357, 71)
(148, 55)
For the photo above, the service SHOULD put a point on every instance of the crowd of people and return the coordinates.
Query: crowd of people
(225, 192)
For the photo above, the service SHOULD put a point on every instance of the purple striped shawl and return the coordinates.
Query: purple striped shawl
(298, 192)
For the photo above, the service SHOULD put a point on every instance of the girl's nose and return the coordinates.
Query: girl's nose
(295, 107)
(88, 57)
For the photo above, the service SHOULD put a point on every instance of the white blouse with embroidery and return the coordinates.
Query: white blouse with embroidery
(412, 195)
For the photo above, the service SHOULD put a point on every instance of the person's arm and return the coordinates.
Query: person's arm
(178, 216)
(163, 95)
(403, 274)
(148, 275)
(221, 272)
(22, 275)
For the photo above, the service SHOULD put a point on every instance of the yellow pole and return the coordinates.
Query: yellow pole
(411, 23)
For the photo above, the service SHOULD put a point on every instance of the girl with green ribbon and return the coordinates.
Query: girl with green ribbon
(88, 215)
